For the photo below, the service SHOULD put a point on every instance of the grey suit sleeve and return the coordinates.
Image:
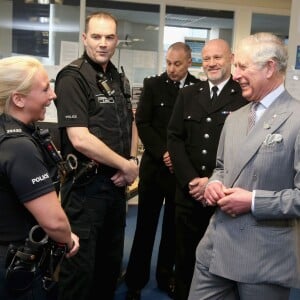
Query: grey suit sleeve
(284, 204)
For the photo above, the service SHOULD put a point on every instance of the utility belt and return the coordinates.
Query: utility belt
(87, 170)
(3, 243)
(37, 256)
(7, 243)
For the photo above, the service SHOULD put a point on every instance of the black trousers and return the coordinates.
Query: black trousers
(97, 214)
(191, 223)
(151, 199)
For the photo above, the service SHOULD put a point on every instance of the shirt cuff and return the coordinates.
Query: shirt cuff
(253, 201)
(213, 181)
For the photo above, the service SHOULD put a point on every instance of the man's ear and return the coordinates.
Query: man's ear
(84, 37)
(271, 68)
(18, 99)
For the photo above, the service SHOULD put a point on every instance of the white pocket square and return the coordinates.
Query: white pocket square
(273, 138)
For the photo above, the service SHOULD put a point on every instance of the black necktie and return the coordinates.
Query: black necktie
(215, 93)
(177, 84)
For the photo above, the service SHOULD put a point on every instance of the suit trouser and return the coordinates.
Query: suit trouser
(150, 201)
(207, 286)
(97, 215)
(191, 223)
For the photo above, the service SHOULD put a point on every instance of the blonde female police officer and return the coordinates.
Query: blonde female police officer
(27, 193)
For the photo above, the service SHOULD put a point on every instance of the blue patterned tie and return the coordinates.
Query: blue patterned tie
(252, 115)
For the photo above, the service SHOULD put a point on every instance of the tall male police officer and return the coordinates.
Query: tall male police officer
(157, 181)
(95, 118)
(193, 135)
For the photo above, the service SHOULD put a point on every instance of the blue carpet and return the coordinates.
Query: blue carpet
(151, 292)
(295, 294)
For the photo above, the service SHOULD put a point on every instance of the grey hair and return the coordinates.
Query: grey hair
(182, 46)
(264, 46)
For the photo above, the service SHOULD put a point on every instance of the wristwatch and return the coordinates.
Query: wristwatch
(135, 159)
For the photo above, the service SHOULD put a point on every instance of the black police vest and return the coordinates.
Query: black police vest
(110, 117)
(4, 134)
(11, 129)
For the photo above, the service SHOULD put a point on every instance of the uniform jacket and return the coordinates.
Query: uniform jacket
(81, 102)
(152, 116)
(195, 127)
(262, 246)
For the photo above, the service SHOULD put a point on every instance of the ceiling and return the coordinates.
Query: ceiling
(279, 25)
(188, 17)
(193, 18)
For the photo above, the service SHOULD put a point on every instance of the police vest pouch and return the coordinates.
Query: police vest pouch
(38, 257)
(21, 270)
(19, 279)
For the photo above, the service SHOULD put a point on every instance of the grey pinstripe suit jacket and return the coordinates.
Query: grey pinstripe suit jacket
(262, 246)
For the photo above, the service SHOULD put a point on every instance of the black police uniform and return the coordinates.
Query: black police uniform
(23, 176)
(193, 135)
(96, 208)
(156, 184)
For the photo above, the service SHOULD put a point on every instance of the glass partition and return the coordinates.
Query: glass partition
(138, 29)
(38, 28)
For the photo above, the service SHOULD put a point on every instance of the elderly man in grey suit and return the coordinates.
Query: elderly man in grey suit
(251, 249)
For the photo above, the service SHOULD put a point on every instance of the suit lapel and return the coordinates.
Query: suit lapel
(269, 123)
(224, 97)
(168, 88)
(203, 97)
(189, 80)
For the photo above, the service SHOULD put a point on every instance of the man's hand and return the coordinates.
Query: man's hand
(167, 161)
(236, 201)
(129, 172)
(214, 191)
(74, 247)
(197, 187)
(119, 179)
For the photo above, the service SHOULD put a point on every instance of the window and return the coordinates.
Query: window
(138, 29)
(195, 26)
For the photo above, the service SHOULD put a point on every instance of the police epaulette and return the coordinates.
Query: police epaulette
(7, 131)
(76, 63)
(154, 75)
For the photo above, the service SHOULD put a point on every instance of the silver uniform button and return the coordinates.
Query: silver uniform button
(162, 104)
(208, 119)
(203, 168)
(204, 151)
(189, 117)
(206, 136)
